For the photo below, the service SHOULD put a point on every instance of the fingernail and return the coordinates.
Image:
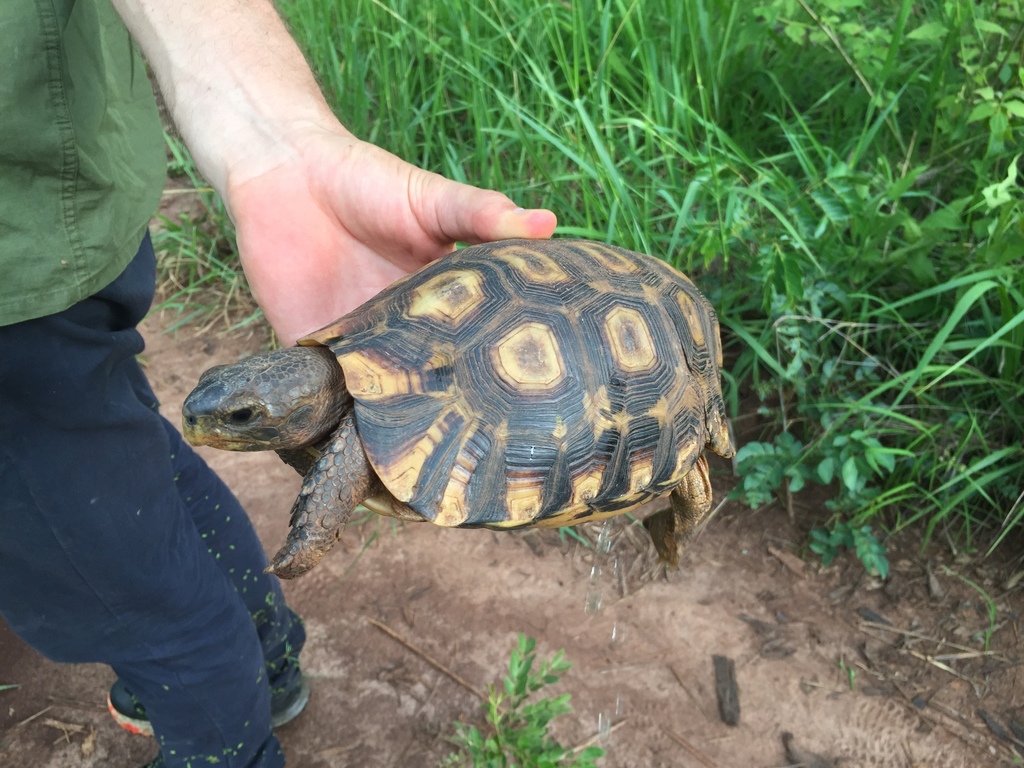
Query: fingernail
(519, 211)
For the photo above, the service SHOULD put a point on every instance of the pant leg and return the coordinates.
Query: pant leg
(232, 541)
(100, 556)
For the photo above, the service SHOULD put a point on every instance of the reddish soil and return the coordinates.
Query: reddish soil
(852, 692)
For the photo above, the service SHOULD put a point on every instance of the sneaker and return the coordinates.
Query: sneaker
(129, 713)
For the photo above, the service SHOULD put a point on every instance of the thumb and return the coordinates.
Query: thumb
(459, 212)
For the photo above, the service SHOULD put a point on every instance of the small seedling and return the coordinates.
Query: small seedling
(850, 672)
(519, 722)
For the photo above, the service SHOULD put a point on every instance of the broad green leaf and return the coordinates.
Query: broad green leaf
(989, 26)
(794, 277)
(885, 458)
(922, 268)
(946, 217)
(830, 204)
(850, 474)
(1015, 108)
(982, 111)
(934, 30)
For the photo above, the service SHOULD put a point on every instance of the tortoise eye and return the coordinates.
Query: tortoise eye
(241, 416)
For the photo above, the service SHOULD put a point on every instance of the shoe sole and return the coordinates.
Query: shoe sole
(296, 708)
(145, 728)
(130, 724)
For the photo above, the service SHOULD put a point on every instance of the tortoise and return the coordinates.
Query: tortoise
(510, 384)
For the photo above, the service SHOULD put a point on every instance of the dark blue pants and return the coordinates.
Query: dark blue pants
(119, 545)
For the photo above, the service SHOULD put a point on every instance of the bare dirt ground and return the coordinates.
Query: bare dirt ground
(813, 656)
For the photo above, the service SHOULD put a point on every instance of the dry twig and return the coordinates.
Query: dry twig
(428, 658)
(685, 687)
(597, 737)
(922, 636)
(788, 559)
(693, 752)
(65, 728)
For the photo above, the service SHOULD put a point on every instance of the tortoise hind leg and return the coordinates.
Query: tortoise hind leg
(691, 502)
(336, 483)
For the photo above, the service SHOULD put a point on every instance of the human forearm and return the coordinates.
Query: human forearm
(235, 82)
(324, 220)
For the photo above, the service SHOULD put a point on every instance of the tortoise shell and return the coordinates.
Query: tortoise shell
(533, 383)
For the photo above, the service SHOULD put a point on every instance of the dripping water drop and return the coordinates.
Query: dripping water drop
(592, 602)
(604, 727)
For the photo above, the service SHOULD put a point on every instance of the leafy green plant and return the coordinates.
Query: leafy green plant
(519, 722)
(829, 543)
(853, 457)
(904, 384)
(765, 467)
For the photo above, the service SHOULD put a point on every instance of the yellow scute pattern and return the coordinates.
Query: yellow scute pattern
(528, 357)
(448, 297)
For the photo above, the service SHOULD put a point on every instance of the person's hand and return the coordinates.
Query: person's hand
(324, 221)
(341, 219)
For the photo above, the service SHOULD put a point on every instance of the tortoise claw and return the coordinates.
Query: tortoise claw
(293, 560)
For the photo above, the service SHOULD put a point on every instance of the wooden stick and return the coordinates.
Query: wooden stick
(922, 636)
(427, 658)
(695, 753)
(597, 737)
(30, 718)
(696, 702)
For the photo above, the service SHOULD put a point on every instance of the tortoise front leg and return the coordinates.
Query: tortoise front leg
(334, 486)
(303, 459)
(691, 502)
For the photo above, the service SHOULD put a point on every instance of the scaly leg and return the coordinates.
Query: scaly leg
(338, 482)
(691, 502)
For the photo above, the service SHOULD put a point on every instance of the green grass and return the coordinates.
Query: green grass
(840, 176)
(201, 281)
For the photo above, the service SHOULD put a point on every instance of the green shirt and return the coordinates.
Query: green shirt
(81, 153)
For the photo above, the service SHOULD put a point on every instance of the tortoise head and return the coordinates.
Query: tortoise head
(285, 399)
